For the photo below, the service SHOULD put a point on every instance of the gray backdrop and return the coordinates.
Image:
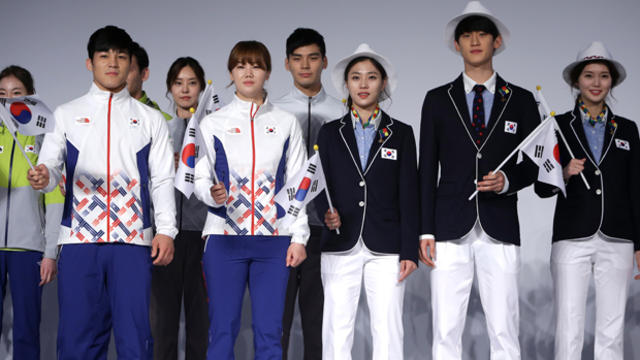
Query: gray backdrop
(49, 38)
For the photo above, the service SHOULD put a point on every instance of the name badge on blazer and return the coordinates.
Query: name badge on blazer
(510, 127)
(388, 153)
(623, 144)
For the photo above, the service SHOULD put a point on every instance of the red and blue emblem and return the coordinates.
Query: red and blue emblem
(303, 188)
(189, 155)
(20, 112)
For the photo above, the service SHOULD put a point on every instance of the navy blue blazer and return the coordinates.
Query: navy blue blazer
(446, 144)
(380, 202)
(612, 206)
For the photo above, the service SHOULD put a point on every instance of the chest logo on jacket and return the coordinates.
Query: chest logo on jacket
(510, 127)
(270, 130)
(134, 122)
(83, 121)
(389, 154)
(234, 131)
(623, 144)
(30, 149)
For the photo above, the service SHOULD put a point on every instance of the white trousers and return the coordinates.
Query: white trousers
(496, 265)
(342, 277)
(572, 263)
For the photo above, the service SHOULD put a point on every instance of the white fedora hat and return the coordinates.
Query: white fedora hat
(337, 75)
(474, 8)
(595, 51)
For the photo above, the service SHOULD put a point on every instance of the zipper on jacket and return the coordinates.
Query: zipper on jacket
(252, 115)
(6, 225)
(309, 127)
(108, 239)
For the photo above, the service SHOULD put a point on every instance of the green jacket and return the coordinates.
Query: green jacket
(145, 100)
(29, 219)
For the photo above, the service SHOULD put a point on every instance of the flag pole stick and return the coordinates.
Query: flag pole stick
(524, 142)
(24, 153)
(15, 138)
(547, 111)
(326, 192)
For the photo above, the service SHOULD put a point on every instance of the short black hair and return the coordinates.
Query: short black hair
(141, 55)
(21, 74)
(108, 38)
(476, 23)
(303, 37)
(577, 70)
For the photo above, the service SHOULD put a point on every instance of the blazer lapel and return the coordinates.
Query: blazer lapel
(385, 122)
(609, 133)
(578, 131)
(501, 97)
(459, 102)
(349, 139)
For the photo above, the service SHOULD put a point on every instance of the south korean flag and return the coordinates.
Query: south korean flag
(544, 151)
(27, 114)
(300, 189)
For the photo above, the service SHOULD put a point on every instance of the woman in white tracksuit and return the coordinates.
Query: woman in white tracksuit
(252, 146)
(596, 230)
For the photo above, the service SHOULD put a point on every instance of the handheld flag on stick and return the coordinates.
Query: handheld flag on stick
(543, 151)
(27, 115)
(193, 142)
(546, 111)
(301, 189)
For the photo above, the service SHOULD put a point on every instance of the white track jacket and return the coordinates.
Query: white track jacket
(253, 150)
(104, 133)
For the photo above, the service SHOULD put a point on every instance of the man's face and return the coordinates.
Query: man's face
(477, 47)
(110, 69)
(136, 78)
(306, 64)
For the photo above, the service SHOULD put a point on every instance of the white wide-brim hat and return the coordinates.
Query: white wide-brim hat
(595, 51)
(337, 76)
(475, 8)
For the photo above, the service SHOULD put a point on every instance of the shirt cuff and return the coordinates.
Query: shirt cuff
(427, 237)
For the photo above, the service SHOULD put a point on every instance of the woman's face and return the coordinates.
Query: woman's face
(11, 87)
(594, 83)
(186, 88)
(365, 84)
(249, 80)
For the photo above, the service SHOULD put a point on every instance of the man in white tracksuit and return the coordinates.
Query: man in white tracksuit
(118, 160)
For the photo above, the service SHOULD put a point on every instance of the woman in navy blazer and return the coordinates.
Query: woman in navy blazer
(371, 236)
(595, 230)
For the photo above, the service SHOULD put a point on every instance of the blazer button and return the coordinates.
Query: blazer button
(479, 156)
(597, 172)
(598, 191)
(361, 204)
(361, 183)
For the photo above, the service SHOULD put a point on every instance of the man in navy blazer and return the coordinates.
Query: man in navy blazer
(469, 126)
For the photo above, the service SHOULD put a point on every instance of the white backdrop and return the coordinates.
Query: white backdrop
(49, 38)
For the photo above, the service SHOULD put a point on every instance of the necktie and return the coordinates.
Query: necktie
(477, 119)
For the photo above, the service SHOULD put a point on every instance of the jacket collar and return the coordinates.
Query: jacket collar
(578, 130)
(458, 98)
(249, 106)
(298, 95)
(103, 95)
(349, 139)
